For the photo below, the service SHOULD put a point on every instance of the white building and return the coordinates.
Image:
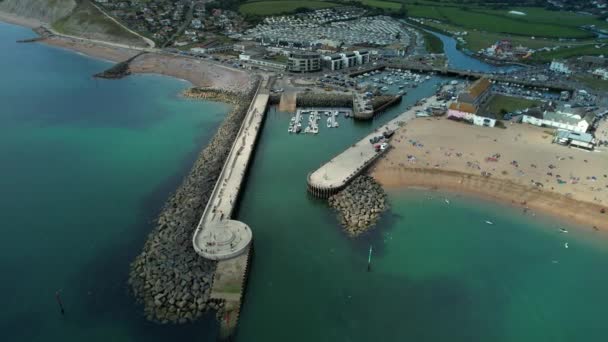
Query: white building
(344, 60)
(601, 73)
(581, 140)
(562, 119)
(560, 67)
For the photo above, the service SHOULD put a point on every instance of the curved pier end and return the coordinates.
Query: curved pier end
(221, 240)
(334, 175)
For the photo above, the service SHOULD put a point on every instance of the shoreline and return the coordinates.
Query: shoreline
(580, 213)
(198, 72)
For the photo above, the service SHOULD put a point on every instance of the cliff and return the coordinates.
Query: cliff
(73, 17)
(43, 10)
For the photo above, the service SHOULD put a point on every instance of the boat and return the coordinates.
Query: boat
(328, 122)
(447, 201)
(566, 245)
(427, 78)
(563, 230)
(335, 124)
(489, 222)
(298, 129)
(315, 130)
(384, 88)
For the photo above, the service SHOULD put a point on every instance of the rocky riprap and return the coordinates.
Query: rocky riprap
(171, 281)
(359, 205)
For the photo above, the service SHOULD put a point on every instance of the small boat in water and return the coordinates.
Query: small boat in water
(328, 123)
(447, 201)
(489, 222)
(566, 245)
(563, 230)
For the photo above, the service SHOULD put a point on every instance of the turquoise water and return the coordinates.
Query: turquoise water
(439, 272)
(85, 166)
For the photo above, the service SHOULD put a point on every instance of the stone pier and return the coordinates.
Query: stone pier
(334, 175)
(217, 236)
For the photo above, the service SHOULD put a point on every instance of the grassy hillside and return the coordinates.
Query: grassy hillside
(87, 21)
(44, 10)
(280, 7)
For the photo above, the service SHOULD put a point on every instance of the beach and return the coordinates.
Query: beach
(518, 165)
(199, 72)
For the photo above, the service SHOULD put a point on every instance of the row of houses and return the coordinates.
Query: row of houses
(306, 61)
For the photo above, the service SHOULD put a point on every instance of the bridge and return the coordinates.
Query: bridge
(334, 175)
(552, 85)
(217, 236)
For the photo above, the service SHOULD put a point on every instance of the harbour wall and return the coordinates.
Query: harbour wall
(168, 278)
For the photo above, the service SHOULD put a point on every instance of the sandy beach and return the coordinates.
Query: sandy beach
(201, 73)
(518, 165)
(17, 20)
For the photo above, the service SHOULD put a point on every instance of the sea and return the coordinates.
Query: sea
(86, 165)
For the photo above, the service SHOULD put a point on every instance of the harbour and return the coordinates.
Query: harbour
(428, 269)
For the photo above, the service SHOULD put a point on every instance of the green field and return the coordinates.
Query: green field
(563, 53)
(592, 82)
(499, 104)
(87, 21)
(476, 40)
(262, 8)
(537, 22)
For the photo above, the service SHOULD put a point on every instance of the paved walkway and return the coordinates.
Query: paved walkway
(214, 239)
(341, 169)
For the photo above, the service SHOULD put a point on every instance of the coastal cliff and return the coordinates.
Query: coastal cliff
(70, 17)
(43, 10)
(171, 281)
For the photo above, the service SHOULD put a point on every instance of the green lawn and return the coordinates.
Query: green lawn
(562, 53)
(382, 4)
(87, 21)
(593, 83)
(537, 22)
(501, 103)
(281, 7)
(476, 40)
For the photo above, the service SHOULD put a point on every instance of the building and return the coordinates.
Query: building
(304, 62)
(601, 73)
(215, 49)
(477, 93)
(469, 102)
(262, 62)
(333, 62)
(581, 140)
(344, 60)
(569, 119)
(468, 112)
(560, 67)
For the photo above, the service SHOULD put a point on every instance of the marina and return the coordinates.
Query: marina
(313, 116)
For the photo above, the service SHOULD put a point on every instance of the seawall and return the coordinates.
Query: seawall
(168, 278)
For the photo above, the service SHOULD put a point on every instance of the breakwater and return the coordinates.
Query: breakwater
(324, 100)
(383, 102)
(359, 205)
(118, 70)
(218, 236)
(337, 173)
(168, 278)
